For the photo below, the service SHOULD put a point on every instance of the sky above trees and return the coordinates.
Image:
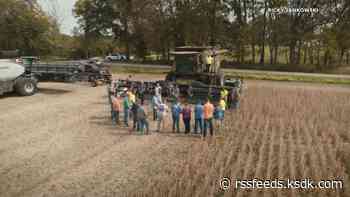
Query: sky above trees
(65, 11)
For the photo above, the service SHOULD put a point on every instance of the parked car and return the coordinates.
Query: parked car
(96, 60)
(116, 57)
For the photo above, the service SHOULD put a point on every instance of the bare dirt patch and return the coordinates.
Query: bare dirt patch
(61, 142)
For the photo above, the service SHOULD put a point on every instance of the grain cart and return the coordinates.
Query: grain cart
(67, 72)
(50, 72)
(191, 72)
(14, 77)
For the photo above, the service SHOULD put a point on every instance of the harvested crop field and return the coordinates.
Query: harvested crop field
(61, 142)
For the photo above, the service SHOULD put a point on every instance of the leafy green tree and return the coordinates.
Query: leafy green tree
(24, 26)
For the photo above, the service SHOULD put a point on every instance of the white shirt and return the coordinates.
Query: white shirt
(158, 91)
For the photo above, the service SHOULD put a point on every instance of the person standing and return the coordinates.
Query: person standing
(223, 94)
(208, 111)
(235, 98)
(158, 91)
(142, 93)
(190, 92)
(110, 95)
(229, 99)
(155, 103)
(176, 91)
(222, 107)
(132, 97)
(134, 109)
(111, 102)
(171, 90)
(186, 117)
(176, 111)
(209, 62)
(126, 106)
(218, 115)
(198, 113)
(240, 85)
(142, 119)
(162, 108)
(116, 109)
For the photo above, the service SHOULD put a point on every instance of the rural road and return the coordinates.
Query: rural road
(244, 71)
(61, 142)
(247, 71)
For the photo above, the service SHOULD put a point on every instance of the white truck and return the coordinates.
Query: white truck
(13, 77)
(116, 57)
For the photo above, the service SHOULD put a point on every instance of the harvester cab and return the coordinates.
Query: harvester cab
(28, 62)
(198, 69)
(191, 63)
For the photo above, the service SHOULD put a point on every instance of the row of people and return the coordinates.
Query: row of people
(131, 108)
(204, 116)
(204, 113)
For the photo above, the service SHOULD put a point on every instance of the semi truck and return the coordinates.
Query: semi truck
(15, 78)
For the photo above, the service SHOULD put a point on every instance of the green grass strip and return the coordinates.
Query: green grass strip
(244, 75)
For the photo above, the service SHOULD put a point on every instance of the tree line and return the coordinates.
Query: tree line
(25, 27)
(256, 32)
(251, 29)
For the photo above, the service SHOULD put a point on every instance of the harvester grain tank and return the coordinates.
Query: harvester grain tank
(191, 71)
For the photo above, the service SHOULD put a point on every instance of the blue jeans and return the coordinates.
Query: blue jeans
(160, 121)
(136, 125)
(143, 123)
(115, 117)
(176, 124)
(235, 104)
(187, 123)
(109, 97)
(208, 123)
(198, 123)
(126, 117)
(154, 114)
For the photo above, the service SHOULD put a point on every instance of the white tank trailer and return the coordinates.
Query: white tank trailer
(13, 77)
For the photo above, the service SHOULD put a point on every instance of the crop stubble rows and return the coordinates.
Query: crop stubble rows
(66, 146)
(278, 133)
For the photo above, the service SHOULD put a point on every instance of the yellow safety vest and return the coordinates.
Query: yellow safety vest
(223, 104)
(209, 60)
(224, 93)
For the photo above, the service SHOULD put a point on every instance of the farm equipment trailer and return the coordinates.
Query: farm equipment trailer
(68, 72)
(23, 78)
(54, 72)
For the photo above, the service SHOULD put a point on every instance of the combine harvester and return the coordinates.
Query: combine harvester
(194, 78)
(191, 72)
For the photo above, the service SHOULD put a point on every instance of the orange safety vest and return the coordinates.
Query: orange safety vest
(208, 111)
(116, 104)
